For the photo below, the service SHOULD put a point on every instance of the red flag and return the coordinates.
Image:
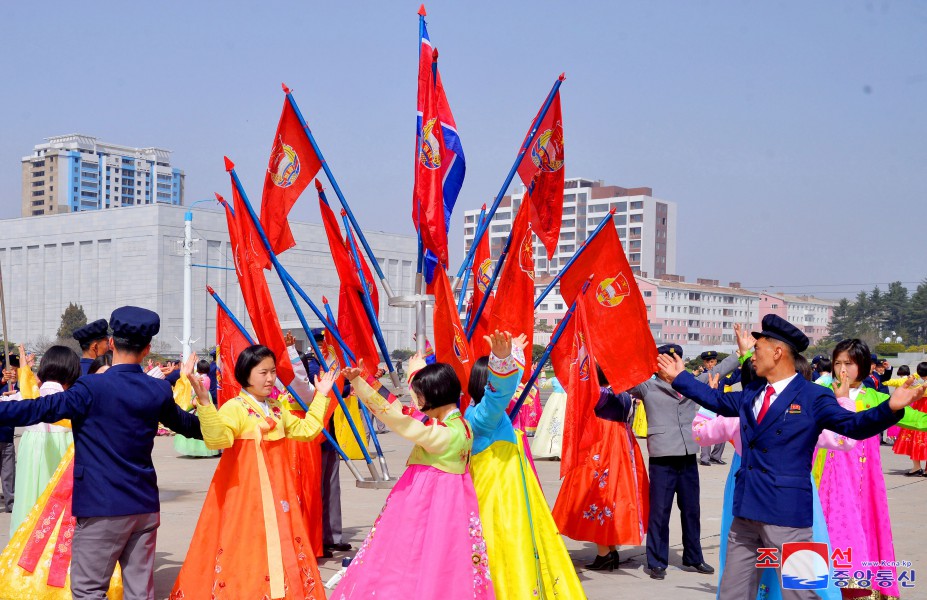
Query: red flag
(334, 359)
(622, 338)
(481, 274)
(249, 255)
(229, 344)
(580, 425)
(355, 329)
(513, 308)
(292, 165)
(450, 341)
(340, 254)
(544, 161)
(428, 198)
(365, 268)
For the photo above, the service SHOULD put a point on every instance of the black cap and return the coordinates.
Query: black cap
(135, 324)
(318, 333)
(778, 328)
(818, 358)
(91, 332)
(874, 358)
(670, 349)
(708, 355)
(14, 359)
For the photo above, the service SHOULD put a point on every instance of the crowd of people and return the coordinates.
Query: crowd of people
(468, 515)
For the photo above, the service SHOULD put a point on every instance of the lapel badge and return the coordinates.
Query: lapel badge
(795, 409)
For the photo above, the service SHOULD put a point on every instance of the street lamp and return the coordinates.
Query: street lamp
(187, 342)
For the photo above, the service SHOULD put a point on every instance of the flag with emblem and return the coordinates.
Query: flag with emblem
(439, 158)
(451, 345)
(481, 274)
(621, 339)
(292, 165)
(541, 170)
(250, 256)
(229, 344)
(513, 307)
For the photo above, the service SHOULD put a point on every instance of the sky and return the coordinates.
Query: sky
(792, 135)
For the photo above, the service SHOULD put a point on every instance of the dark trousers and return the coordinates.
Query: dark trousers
(673, 476)
(7, 473)
(101, 542)
(712, 452)
(331, 497)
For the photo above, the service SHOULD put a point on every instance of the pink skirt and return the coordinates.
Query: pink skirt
(427, 542)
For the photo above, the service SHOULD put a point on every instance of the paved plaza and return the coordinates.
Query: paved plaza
(184, 481)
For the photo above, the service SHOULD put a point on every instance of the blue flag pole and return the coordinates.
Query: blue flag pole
(605, 221)
(544, 357)
(247, 336)
(466, 276)
(344, 203)
(481, 231)
(286, 280)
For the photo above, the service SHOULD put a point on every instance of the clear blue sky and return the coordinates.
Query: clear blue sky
(792, 135)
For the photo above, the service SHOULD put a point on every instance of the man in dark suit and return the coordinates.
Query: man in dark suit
(781, 416)
(115, 418)
(94, 341)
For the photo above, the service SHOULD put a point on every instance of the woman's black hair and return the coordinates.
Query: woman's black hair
(479, 376)
(922, 370)
(803, 367)
(249, 358)
(104, 360)
(825, 365)
(903, 371)
(603, 380)
(859, 354)
(59, 364)
(202, 366)
(436, 385)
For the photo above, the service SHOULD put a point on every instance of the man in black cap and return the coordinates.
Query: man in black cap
(781, 416)
(7, 446)
(115, 418)
(94, 341)
(710, 454)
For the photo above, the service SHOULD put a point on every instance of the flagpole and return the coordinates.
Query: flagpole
(466, 276)
(605, 221)
(384, 468)
(247, 336)
(285, 279)
(481, 231)
(547, 351)
(344, 203)
(6, 338)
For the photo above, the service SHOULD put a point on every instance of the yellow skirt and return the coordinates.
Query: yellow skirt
(501, 476)
(18, 584)
(343, 432)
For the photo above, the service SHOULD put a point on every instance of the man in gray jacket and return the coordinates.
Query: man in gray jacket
(673, 469)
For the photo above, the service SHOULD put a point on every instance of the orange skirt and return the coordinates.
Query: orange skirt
(229, 556)
(306, 466)
(605, 499)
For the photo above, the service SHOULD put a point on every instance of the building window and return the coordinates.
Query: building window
(595, 208)
(38, 193)
(620, 206)
(637, 218)
(637, 205)
(647, 293)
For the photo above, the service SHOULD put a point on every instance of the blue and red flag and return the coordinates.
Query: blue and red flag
(440, 165)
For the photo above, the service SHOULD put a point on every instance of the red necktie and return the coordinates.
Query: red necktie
(769, 394)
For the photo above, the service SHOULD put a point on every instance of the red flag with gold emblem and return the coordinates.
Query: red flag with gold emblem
(513, 308)
(292, 165)
(451, 345)
(621, 338)
(541, 170)
(229, 344)
(481, 274)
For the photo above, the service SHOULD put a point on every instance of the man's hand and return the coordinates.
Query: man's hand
(745, 339)
(500, 343)
(671, 366)
(906, 394)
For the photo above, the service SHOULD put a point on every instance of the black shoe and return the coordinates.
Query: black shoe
(704, 463)
(337, 547)
(326, 553)
(602, 563)
(718, 461)
(917, 473)
(614, 555)
(658, 573)
(701, 567)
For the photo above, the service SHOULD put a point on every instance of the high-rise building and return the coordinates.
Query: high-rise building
(646, 226)
(74, 173)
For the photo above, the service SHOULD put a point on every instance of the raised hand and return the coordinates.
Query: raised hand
(671, 366)
(289, 339)
(202, 394)
(521, 341)
(324, 382)
(353, 372)
(714, 380)
(500, 343)
(745, 339)
(906, 394)
(843, 385)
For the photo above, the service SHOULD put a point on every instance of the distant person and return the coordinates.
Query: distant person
(93, 339)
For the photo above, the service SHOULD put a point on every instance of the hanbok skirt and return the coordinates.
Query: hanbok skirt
(37, 458)
(548, 439)
(855, 505)
(306, 466)
(35, 565)
(251, 540)
(516, 520)
(908, 442)
(192, 447)
(427, 542)
(605, 499)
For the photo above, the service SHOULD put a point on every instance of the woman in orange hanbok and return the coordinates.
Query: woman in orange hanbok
(251, 541)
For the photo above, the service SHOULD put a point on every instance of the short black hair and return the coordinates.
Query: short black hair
(202, 366)
(859, 354)
(104, 360)
(825, 365)
(903, 371)
(249, 358)
(130, 346)
(436, 385)
(479, 376)
(803, 367)
(922, 370)
(59, 364)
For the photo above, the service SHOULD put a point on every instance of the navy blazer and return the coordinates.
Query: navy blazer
(115, 418)
(773, 484)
